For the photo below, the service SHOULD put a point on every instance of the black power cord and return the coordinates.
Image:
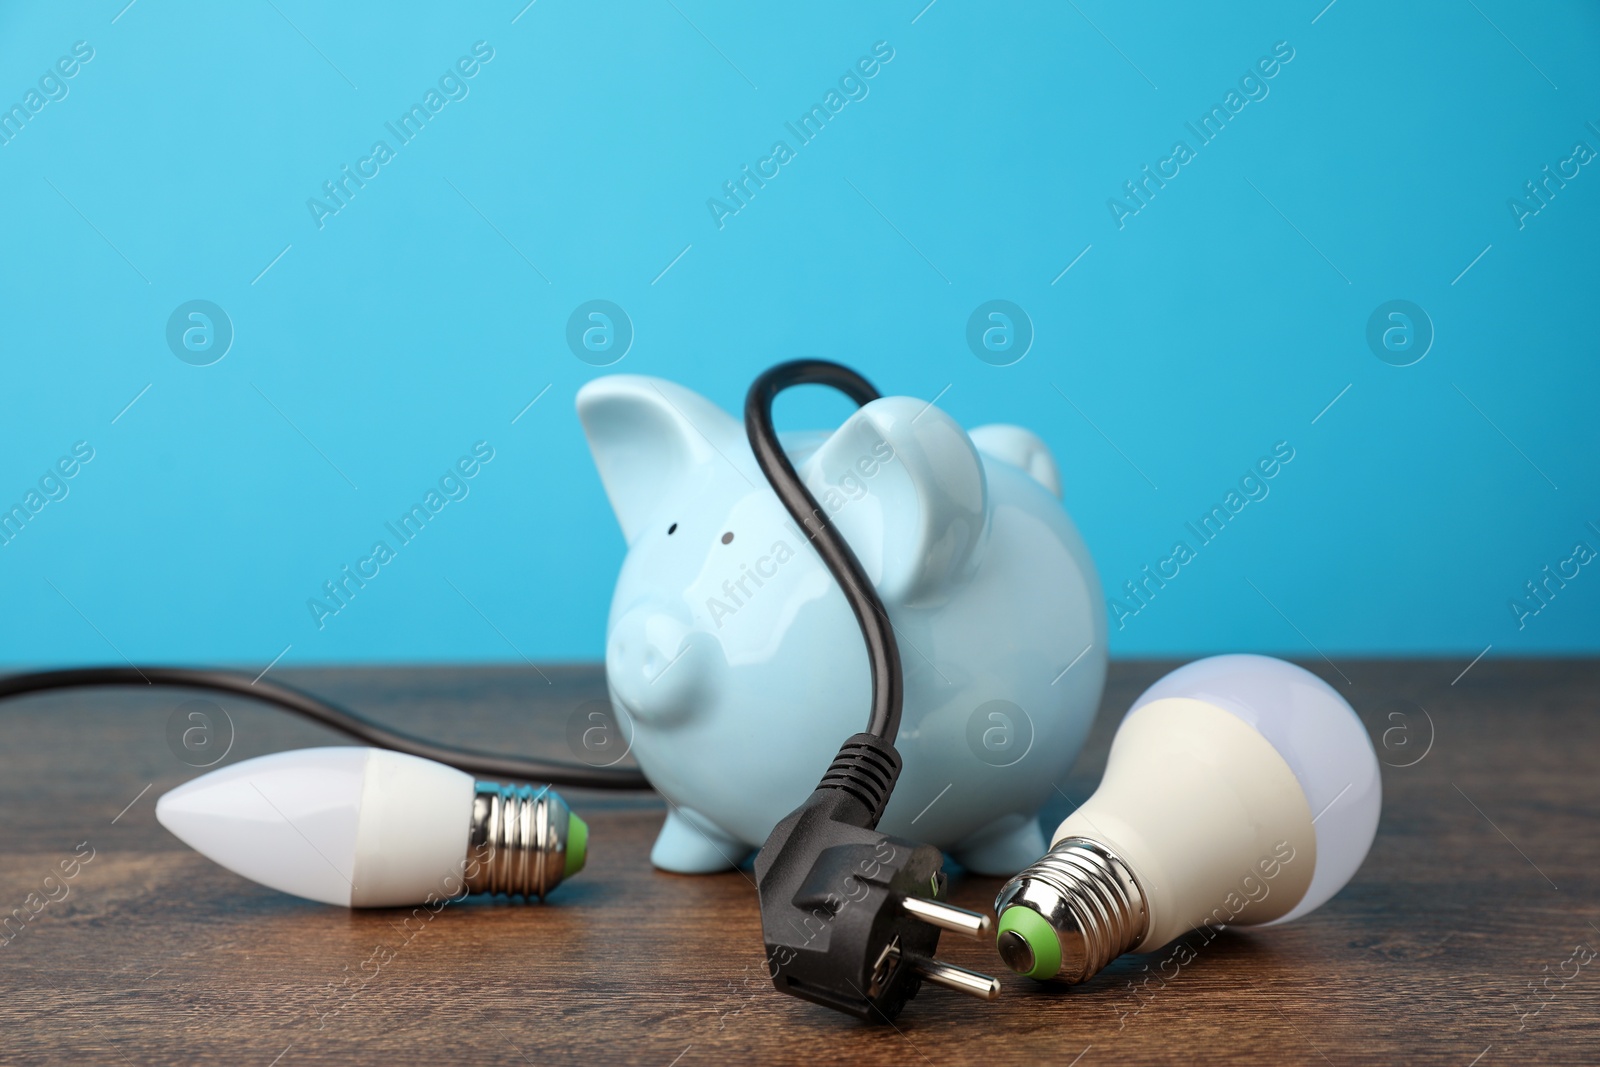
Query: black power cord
(474, 762)
(851, 917)
(883, 654)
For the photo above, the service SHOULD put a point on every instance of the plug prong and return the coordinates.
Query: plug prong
(947, 916)
(958, 978)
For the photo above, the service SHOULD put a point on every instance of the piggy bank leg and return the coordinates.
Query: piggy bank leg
(1003, 847)
(690, 844)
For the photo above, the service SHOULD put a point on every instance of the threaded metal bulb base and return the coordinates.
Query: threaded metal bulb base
(518, 844)
(1091, 906)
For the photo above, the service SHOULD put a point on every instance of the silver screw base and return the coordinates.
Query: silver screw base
(518, 842)
(1088, 896)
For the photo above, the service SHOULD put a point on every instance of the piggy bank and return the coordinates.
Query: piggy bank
(735, 662)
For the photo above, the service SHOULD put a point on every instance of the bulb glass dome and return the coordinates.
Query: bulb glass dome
(1318, 735)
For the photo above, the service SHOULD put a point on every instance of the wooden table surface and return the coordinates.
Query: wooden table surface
(1484, 883)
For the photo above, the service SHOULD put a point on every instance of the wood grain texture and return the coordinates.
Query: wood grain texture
(1484, 878)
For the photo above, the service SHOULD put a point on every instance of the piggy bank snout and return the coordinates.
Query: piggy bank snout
(658, 663)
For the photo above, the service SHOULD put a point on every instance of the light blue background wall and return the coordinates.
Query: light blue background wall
(1223, 318)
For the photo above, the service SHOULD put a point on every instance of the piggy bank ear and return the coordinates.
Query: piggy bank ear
(1020, 448)
(647, 435)
(904, 485)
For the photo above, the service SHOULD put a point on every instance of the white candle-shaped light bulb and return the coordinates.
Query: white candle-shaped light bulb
(371, 828)
(1240, 790)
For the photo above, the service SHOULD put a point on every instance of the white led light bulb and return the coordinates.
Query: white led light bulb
(371, 828)
(1240, 790)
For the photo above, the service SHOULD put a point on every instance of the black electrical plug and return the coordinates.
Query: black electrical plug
(851, 917)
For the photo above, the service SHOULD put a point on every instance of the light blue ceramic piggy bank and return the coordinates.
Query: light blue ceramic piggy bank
(741, 668)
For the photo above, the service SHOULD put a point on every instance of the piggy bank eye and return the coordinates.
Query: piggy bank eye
(672, 529)
(727, 538)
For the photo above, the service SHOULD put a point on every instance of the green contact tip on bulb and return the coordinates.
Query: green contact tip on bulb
(1028, 943)
(577, 845)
